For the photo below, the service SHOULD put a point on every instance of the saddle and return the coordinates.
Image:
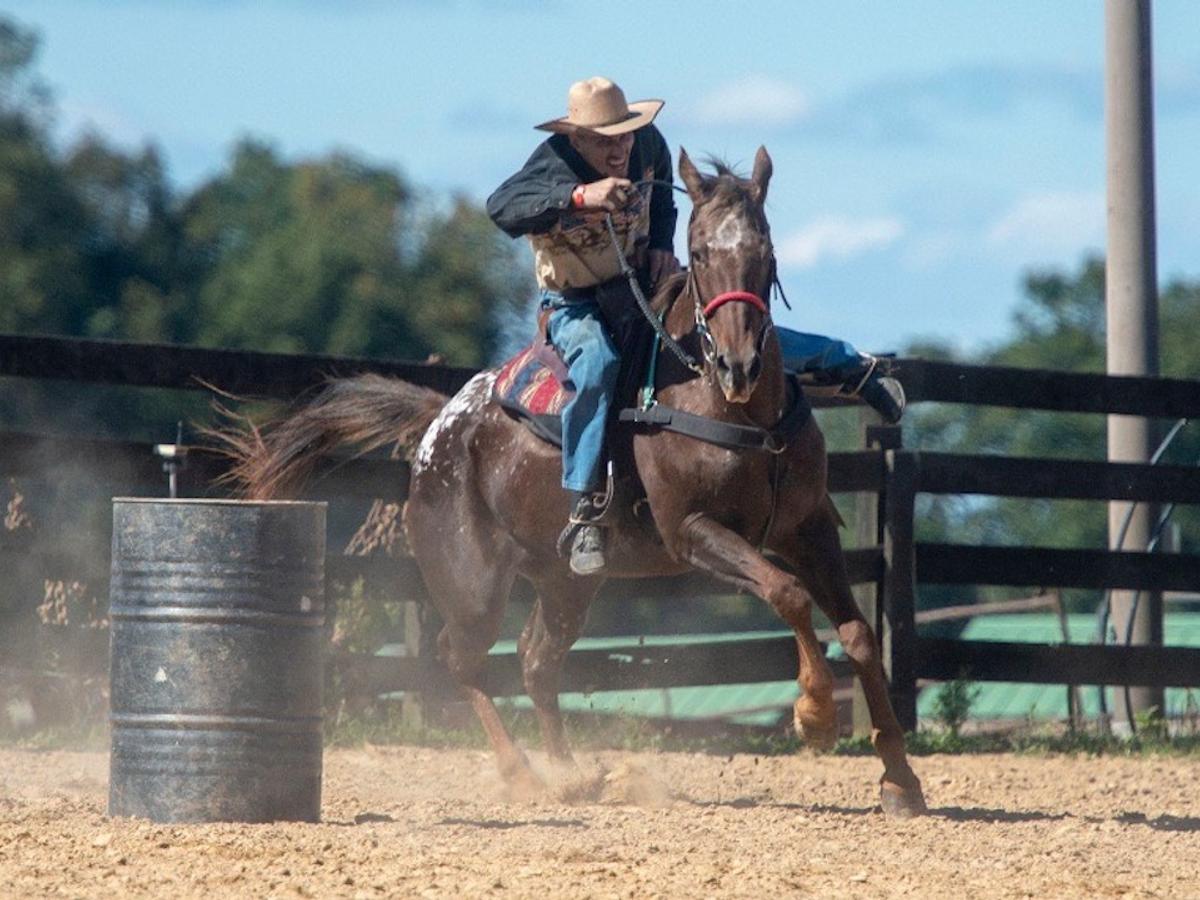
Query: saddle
(534, 386)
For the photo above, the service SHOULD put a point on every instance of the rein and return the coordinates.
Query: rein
(659, 329)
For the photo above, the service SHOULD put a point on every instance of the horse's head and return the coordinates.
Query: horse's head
(731, 268)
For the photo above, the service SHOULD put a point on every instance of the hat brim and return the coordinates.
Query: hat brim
(641, 114)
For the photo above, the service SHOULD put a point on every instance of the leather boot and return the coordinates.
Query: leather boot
(587, 547)
(885, 395)
(878, 388)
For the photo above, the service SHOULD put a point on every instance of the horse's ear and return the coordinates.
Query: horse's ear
(763, 167)
(692, 179)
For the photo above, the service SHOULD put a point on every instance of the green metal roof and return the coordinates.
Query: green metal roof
(1008, 700)
(1180, 629)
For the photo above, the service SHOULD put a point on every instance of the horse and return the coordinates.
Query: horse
(485, 507)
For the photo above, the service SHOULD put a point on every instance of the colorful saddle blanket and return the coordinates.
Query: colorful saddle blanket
(534, 386)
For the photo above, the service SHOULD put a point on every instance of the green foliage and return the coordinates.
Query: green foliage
(1151, 726)
(952, 705)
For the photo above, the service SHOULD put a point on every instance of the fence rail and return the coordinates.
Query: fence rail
(943, 659)
(911, 562)
(285, 375)
(632, 667)
(282, 375)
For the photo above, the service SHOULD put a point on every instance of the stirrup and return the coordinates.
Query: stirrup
(872, 363)
(592, 508)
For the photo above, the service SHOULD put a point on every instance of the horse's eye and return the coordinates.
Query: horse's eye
(699, 256)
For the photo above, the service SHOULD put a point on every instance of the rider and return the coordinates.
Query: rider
(559, 199)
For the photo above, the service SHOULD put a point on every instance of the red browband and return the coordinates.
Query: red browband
(734, 297)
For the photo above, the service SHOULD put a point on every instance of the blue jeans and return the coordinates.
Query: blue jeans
(582, 339)
(829, 360)
(593, 363)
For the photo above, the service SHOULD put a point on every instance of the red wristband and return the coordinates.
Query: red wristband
(577, 197)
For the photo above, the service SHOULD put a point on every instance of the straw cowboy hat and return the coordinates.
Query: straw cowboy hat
(599, 105)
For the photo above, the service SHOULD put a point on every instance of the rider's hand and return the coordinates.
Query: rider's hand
(663, 265)
(607, 193)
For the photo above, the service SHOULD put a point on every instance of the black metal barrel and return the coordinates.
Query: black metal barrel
(217, 610)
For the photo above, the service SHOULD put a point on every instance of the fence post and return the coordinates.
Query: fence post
(869, 516)
(899, 585)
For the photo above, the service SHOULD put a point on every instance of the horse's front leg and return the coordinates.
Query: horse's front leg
(816, 552)
(716, 549)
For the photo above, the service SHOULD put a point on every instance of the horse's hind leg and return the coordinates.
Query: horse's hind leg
(715, 549)
(469, 574)
(554, 624)
(816, 552)
(465, 656)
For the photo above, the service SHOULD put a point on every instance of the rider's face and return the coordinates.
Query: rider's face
(608, 155)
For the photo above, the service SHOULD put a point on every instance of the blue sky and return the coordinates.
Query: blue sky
(927, 153)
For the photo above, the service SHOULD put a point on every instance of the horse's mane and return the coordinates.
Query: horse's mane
(725, 181)
(664, 298)
(722, 167)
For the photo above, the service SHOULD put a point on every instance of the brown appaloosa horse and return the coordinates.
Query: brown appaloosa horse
(485, 505)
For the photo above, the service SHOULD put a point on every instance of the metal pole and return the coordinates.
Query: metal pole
(867, 522)
(1131, 295)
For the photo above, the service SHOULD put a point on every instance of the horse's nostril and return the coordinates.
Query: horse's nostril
(722, 363)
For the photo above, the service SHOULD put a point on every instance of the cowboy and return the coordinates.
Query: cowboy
(588, 171)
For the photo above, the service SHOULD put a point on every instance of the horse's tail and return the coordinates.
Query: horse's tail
(365, 412)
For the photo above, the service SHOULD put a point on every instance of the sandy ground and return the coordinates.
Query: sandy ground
(412, 822)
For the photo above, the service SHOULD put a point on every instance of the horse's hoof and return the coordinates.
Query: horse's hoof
(902, 803)
(819, 738)
(817, 734)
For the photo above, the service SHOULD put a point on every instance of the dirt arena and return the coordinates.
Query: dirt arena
(413, 822)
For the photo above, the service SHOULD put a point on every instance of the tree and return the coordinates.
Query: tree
(133, 243)
(332, 255)
(41, 238)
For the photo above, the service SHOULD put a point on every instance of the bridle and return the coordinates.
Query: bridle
(702, 311)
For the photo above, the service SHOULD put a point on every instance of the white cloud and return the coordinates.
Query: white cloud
(754, 100)
(837, 238)
(1051, 225)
